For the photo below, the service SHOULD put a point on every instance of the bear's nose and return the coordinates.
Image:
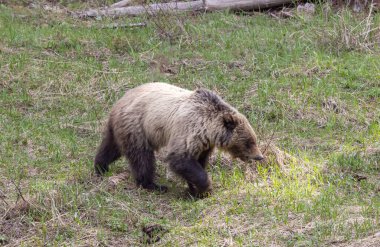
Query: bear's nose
(258, 157)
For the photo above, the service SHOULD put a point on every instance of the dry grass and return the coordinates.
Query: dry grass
(361, 35)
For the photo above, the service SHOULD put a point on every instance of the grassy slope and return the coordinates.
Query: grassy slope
(293, 78)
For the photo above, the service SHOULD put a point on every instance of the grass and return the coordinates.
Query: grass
(293, 78)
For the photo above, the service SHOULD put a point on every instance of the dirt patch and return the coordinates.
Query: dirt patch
(13, 229)
(21, 207)
(370, 241)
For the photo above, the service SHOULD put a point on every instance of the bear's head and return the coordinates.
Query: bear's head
(239, 138)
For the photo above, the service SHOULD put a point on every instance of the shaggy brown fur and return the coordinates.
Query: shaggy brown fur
(190, 124)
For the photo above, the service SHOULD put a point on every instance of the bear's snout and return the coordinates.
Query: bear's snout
(258, 157)
(256, 154)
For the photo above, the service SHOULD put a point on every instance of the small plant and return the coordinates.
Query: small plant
(168, 25)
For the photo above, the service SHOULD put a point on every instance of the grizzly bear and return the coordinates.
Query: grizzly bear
(189, 124)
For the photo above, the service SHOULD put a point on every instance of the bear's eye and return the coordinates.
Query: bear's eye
(249, 144)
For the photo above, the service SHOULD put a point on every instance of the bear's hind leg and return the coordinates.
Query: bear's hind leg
(142, 162)
(108, 152)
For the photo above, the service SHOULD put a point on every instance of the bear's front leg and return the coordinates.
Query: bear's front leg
(193, 173)
(204, 157)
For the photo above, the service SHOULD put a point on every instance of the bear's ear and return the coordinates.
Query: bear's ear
(229, 121)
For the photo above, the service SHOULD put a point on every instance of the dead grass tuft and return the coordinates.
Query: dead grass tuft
(274, 156)
(115, 180)
(163, 65)
(332, 105)
(372, 151)
(351, 32)
(169, 26)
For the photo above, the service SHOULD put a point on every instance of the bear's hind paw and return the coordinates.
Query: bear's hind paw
(156, 187)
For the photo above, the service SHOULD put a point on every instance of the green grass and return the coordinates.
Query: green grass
(293, 78)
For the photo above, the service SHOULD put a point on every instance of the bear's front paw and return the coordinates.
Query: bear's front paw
(200, 194)
(100, 169)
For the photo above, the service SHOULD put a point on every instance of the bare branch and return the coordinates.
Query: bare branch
(121, 4)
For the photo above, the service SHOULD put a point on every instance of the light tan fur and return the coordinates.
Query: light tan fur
(163, 115)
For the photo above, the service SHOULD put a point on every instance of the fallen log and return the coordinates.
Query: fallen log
(150, 9)
(174, 7)
(212, 5)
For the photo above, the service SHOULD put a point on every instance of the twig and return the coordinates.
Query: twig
(368, 22)
(268, 143)
(18, 190)
(118, 25)
(2, 197)
(67, 125)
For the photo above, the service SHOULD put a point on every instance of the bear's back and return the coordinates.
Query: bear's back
(151, 108)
